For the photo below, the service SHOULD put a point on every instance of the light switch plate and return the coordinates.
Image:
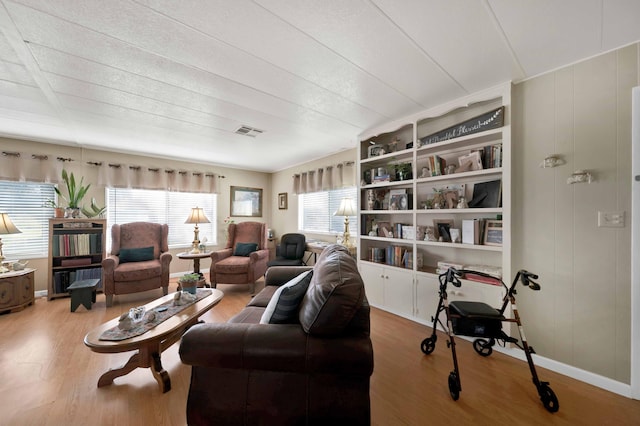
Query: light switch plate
(611, 219)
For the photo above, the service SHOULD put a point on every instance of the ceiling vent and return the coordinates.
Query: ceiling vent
(248, 131)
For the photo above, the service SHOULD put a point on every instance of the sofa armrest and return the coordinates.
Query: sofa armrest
(275, 347)
(278, 275)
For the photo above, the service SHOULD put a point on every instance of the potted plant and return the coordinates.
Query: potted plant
(58, 211)
(189, 282)
(75, 194)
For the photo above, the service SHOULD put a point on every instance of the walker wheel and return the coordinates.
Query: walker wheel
(548, 397)
(429, 344)
(482, 347)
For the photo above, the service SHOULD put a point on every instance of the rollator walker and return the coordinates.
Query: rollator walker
(477, 319)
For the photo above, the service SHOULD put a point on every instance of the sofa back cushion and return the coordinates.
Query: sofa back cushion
(283, 306)
(335, 294)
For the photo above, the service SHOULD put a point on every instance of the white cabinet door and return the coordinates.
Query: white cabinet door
(373, 277)
(398, 291)
(427, 296)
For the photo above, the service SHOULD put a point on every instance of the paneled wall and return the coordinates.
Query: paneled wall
(583, 113)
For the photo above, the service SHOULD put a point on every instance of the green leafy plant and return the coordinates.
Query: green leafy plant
(189, 278)
(94, 210)
(75, 193)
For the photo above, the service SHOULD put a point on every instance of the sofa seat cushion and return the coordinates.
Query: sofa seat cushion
(262, 299)
(249, 315)
(233, 265)
(283, 306)
(335, 294)
(137, 271)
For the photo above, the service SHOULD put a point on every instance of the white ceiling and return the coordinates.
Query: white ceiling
(177, 78)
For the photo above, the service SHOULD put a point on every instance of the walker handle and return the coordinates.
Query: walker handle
(527, 279)
(452, 277)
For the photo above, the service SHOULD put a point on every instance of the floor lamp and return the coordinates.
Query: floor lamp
(346, 209)
(6, 227)
(197, 216)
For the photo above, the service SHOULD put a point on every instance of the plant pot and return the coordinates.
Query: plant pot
(191, 290)
(71, 213)
(58, 212)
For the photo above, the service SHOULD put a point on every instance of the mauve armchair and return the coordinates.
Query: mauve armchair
(227, 267)
(139, 259)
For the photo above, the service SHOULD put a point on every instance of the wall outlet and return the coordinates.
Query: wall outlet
(611, 219)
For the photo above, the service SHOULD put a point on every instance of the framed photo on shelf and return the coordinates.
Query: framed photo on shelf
(376, 150)
(282, 201)
(493, 233)
(442, 229)
(246, 201)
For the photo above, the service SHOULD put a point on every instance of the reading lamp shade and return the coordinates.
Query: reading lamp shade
(346, 209)
(6, 227)
(197, 216)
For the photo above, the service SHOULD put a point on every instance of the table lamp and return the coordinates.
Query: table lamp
(6, 227)
(346, 209)
(197, 216)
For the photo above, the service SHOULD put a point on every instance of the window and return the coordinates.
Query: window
(316, 209)
(126, 205)
(24, 202)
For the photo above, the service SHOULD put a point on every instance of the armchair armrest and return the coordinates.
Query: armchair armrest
(110, 263)
(257, 255)
(275, 347)
(218, 255)
(278, 275)
(165, 258)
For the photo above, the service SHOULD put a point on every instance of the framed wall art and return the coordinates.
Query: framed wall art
(246, 201)
(282, 201)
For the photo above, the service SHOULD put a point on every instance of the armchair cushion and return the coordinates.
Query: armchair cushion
(245, 249)
(283, 306)
(136, 254)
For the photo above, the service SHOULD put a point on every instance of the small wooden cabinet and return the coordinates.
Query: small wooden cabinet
(16, 290)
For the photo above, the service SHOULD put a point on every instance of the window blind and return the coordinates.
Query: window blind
(25, 204)
(126, 205)
(316, 211)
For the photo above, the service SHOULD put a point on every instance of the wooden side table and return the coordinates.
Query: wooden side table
(196, 260)
(16, 290)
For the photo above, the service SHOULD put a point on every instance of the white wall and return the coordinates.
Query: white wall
(582, 112)
(285, 221)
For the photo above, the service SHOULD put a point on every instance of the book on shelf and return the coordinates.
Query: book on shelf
(472, 231)
(492, 156)
(436, 165)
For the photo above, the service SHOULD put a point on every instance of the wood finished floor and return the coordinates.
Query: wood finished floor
(48, 376)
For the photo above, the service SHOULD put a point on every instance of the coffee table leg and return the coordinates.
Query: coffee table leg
(107, 378)
(161, 375)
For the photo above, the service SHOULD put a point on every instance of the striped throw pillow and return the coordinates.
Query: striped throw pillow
(283, 306)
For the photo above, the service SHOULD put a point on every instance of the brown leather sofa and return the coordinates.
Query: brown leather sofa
(313, 371)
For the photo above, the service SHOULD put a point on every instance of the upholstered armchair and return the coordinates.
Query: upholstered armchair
(290, 251)
(139, 259)
(244, 258)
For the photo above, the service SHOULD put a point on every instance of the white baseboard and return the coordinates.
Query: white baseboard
(597, 380)
(41, 293)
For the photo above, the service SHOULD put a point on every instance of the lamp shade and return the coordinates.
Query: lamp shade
(197, 216)
(6, 226)
(347, 208)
